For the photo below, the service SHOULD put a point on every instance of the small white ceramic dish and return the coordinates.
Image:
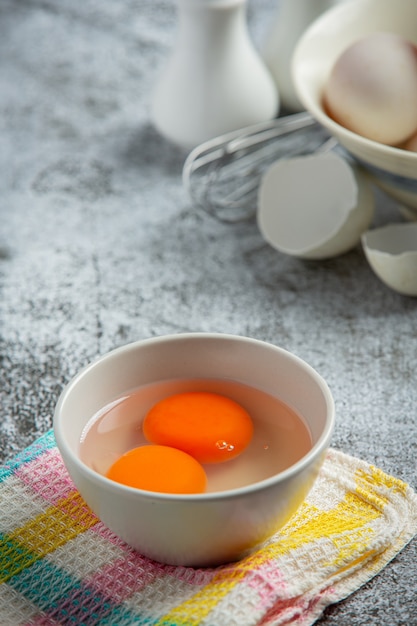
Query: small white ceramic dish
(314, 207)
(393, 169)
(392, 253)
(202, 529)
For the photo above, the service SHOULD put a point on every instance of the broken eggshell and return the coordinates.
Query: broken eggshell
(392, 253)
(314, 207)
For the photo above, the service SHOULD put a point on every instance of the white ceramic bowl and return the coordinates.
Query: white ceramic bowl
(392, 253)
(393, 169)
(202, 529)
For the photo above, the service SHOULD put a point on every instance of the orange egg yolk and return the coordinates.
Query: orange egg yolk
(210, 427)
(159, 468)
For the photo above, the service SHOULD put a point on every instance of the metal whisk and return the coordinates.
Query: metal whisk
(222, 175)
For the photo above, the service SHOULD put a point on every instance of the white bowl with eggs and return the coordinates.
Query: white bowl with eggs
(392, 167)
(202, 529)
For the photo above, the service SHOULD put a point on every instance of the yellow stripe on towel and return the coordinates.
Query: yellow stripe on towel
(43, 534)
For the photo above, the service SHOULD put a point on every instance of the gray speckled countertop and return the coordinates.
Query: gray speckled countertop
(100, 246)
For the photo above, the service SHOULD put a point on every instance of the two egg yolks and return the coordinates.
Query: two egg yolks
(185, 430)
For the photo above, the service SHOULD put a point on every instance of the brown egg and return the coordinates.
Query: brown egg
(372, 88)
(411, 144)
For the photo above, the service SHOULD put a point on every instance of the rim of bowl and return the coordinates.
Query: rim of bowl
(317, 449)
(337, 129)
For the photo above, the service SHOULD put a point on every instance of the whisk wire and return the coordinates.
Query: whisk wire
(222, 175)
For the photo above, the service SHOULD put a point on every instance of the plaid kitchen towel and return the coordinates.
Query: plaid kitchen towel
(60, 565)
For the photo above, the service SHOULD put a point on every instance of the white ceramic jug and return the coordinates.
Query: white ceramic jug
(216, 81)
(291, 20)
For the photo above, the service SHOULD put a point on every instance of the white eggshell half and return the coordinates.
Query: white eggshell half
(314, 207)
(392, 253)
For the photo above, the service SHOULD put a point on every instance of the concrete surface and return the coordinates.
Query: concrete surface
(99, 246)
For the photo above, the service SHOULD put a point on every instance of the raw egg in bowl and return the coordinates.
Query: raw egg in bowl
(353, 69)
(195, 448)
